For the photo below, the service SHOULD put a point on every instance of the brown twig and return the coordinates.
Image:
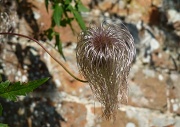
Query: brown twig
(21, 35)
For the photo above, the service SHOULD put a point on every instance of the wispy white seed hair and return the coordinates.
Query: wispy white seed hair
(104, 56)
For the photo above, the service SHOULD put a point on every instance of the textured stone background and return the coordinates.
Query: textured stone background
(154, 81)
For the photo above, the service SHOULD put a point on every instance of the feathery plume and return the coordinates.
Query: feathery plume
(104, 55)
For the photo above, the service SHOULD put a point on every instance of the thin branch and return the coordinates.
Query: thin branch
(21, 35)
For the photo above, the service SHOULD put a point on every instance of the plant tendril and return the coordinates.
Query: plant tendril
(21, 35)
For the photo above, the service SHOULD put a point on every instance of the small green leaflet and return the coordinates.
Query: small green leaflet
(57, 14)
(50, 33)
(67, 2)
(3, 125)
(59, 45)
(66, 21)
(4, 85)
(78, 17)
(82, 8)
(11, 91)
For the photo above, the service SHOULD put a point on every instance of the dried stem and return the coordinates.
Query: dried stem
(21, 35)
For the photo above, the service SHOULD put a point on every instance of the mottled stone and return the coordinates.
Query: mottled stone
(105, 5)
(147, 90)
(74, 114)
(162, 60)
(173, 92)
(154, 79)
(67, 83)
(122, 120)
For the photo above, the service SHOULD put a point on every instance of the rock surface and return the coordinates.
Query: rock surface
(154, 81)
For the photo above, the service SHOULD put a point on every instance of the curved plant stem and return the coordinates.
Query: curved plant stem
(21, 35)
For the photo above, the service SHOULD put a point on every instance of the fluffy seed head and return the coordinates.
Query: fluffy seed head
(104, 56)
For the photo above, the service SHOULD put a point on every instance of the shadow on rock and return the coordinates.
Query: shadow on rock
(35, 112)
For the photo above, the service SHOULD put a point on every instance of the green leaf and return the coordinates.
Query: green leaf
(66, 21)
(67, 2)
(3, 125)
(0, 78)
(4, 85)
(57, 14)
(50, 33)
(82, 8)
(1, 108)
(13, 90)
(46, 4)
(59, 45)
(78, 17)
